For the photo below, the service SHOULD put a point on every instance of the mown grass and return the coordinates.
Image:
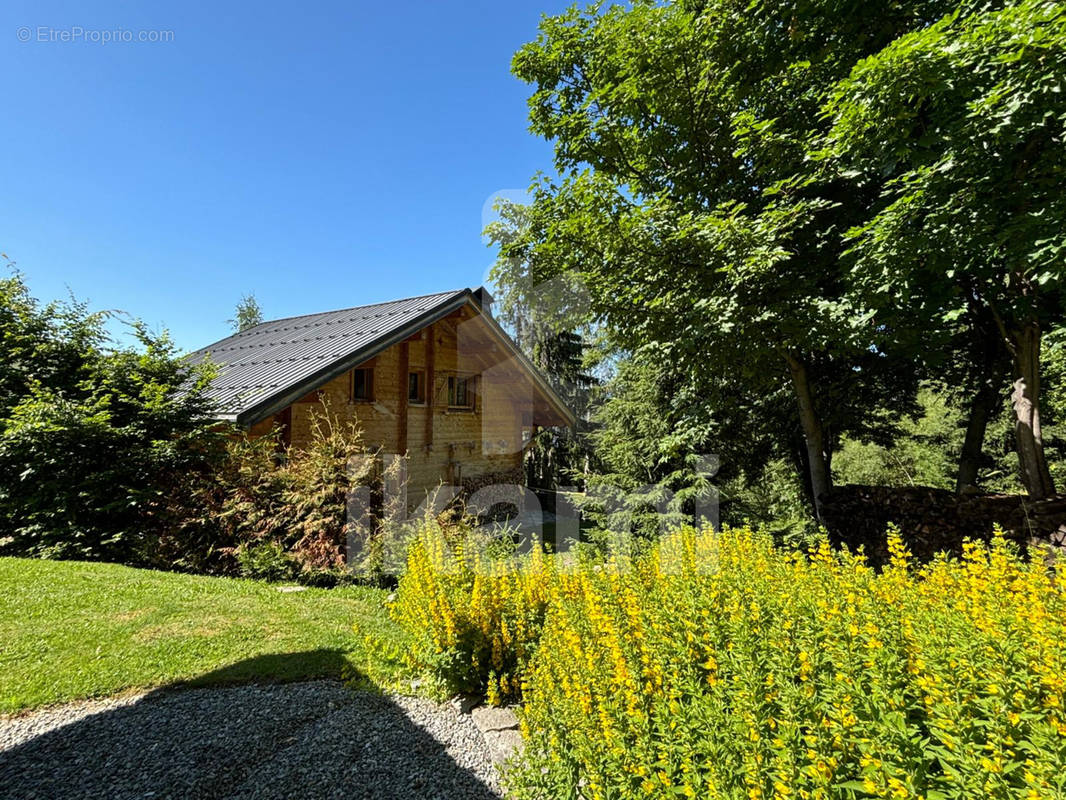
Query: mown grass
(72, 630)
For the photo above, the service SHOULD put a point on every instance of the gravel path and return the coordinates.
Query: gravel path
(307, 740)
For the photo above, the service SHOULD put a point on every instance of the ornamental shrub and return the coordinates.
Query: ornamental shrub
(717, 665)
(100, 440)
(300, 505)
(306, 503)
(474, 617)
(265, 561)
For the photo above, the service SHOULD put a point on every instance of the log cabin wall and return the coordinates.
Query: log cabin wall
(445, 444)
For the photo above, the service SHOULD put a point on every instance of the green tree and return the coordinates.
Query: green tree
(247, 315)
(555, 340)
(647, 445)
(684, 202)
(664, 444)
(98, 441)
(965, 118)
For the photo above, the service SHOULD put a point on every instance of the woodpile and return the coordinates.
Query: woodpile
(496, 496)
(936, 520)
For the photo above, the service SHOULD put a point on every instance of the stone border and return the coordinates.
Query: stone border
(498, 725)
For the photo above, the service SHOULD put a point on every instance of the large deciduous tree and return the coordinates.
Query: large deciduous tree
(966, 118)
(681, 134)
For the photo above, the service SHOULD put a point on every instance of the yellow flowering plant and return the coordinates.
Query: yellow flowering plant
(717, 665)
(474, 617)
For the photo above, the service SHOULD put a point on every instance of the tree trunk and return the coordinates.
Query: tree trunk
(1026, 402)
(984, 403)
(813, 433)
(990, 356)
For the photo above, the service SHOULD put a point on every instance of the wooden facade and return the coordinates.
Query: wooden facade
(452, 397)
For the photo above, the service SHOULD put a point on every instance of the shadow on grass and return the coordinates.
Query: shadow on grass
(312, 739)
(280, 668)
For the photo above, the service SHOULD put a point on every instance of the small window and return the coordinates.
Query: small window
(416, 387)
(362, 384)
(460, 392)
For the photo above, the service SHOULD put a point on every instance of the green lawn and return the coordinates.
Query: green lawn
(72, 630)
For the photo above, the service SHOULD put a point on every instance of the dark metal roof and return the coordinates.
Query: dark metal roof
(261, 368)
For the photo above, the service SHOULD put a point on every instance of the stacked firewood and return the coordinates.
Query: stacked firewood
(936, 520)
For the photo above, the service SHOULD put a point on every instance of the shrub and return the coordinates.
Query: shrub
(97, 439)
(265, 561)
(298, 505)
(474, 618)
(721, 667)
(717, 665)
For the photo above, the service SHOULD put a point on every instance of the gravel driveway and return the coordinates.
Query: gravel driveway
(306, 740)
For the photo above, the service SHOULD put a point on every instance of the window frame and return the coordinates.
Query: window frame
(368, 383)
(470, 390)
(420, 395)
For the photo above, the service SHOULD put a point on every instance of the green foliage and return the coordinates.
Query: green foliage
(1054, 404)
(870, 193)
(772, 500)
(965, 116)
(663, 445)
(298, 506)
(265, 561)
(43, 345)
(562, 456)
(925, 454)
(685, 206)
(651, 474)
(956, 128)
(247, 315)
(98, 442)
(927, 449)
(1055, 375)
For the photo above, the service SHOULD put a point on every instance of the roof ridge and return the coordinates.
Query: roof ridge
(275, 363)
(352, 308)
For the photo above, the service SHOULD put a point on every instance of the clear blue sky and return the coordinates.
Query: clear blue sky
(321, 155)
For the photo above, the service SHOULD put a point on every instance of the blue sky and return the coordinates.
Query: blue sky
(321, 155)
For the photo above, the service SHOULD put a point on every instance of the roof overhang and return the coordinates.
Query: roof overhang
(282, 399)
(539, 381)
(276, 402)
